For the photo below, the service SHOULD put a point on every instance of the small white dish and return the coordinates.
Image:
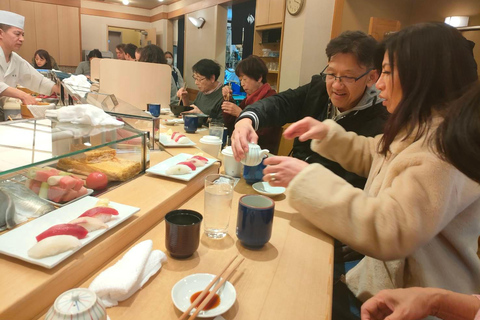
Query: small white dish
(266, 189)
(185, 288)
(165, 140)
(160, 168)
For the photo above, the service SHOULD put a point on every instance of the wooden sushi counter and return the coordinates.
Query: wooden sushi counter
(289, 278)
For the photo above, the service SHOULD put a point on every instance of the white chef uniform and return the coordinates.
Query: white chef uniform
(18, 70)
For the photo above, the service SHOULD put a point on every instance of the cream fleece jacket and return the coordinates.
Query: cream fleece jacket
(418, 219)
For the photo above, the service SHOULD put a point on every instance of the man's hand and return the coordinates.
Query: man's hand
(305, 129)
(231, 108)
(242, 135)
(28, 99)
(281, 170)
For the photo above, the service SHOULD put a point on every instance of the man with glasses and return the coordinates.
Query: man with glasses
(344, 91)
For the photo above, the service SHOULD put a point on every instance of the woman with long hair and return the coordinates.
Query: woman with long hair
(417, 219)
(43, 60)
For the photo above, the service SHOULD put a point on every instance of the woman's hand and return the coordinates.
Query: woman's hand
(241, 136)
(305, 129)
(194, 110)
(281, 170)
(231, 108)
(227, 93)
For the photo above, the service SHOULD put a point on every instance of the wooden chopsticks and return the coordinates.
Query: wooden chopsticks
(224, 275)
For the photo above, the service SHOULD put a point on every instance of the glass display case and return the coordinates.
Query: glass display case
(118, 152)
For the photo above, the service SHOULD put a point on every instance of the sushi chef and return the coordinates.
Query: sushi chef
(13, 68)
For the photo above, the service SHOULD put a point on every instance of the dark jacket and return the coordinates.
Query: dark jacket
(312, 100)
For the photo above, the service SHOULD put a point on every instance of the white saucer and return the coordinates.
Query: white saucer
(266, 189)
(185, 288)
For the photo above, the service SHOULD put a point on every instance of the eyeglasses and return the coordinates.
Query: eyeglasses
(198, 79)
(330, 77)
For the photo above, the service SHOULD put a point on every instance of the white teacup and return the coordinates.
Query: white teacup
(78, 303)
(254, 155)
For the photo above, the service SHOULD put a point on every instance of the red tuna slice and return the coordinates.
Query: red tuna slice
(35, 186)
(200, 158)
(188, 164)
(64, 229)
(78, 184)
(67, 182)
(43, 175)
(56, 193)
(99, 210)
(174, 135)
(70, 195)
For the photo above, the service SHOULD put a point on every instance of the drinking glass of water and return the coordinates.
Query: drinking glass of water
(216, 129)
(218, 205)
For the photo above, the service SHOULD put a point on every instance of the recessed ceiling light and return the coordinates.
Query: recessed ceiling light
(160, 0)
(125, 2)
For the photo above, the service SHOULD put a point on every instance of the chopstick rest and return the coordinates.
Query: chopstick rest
(120, 281)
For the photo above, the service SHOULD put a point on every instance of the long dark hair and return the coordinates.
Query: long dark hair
(457, 139)
(435, 64)
(153, 54)
(44, 55)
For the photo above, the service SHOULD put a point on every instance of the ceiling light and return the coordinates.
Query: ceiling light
(125, 2)
(160, 0)
(457, 21)
(197, 22)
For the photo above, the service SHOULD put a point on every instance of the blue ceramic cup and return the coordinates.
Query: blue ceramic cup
(154, 109)
(190, 123)
(255, 173)
(255, 220)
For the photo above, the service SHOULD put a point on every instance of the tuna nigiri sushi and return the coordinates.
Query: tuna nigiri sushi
(104, 214)
(64, 229)
(179, 138)
(198, 161)
(91, 224)
(52, 246)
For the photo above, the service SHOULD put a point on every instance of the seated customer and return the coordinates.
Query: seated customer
(154, 54)
(417, 219)
(130, 52)
(120, 51)
(84, 66)
(43, 60)
(176, 77)
(209, 98)
(252, 73)
(138, 53)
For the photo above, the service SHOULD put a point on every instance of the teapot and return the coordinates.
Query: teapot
(254, 155)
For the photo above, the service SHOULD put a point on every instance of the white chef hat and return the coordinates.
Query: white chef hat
(12, 19)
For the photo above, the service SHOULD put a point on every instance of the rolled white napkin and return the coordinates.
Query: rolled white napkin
(123, 279)
(77, 81)
(83, 114)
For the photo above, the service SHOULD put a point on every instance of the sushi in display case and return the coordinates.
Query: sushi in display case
(47, 164)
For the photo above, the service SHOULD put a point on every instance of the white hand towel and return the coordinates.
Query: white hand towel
(83, 114)
(123, 279)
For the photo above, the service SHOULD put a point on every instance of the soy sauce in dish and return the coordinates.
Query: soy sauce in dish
(212, 304)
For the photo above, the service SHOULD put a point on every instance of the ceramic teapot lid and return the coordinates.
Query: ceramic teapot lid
(75, 301)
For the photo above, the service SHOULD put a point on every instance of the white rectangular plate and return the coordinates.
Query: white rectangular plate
(166, 142)
(161, 167)
(18, 241)
(89, 192)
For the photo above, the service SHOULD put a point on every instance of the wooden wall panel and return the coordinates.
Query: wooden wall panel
(46, 24)
(69, 35)
(5, 5)
(261, 12)
(26, 9)
(276, 11)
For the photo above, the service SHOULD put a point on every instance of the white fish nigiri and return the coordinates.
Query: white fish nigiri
(178, 169)
(52, 246)
(89, 223)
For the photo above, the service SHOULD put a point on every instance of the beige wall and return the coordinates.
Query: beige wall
(128, 35)
(357, 13)
(208, 42)
(95, 30)
(437, 10)
(304, 40)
